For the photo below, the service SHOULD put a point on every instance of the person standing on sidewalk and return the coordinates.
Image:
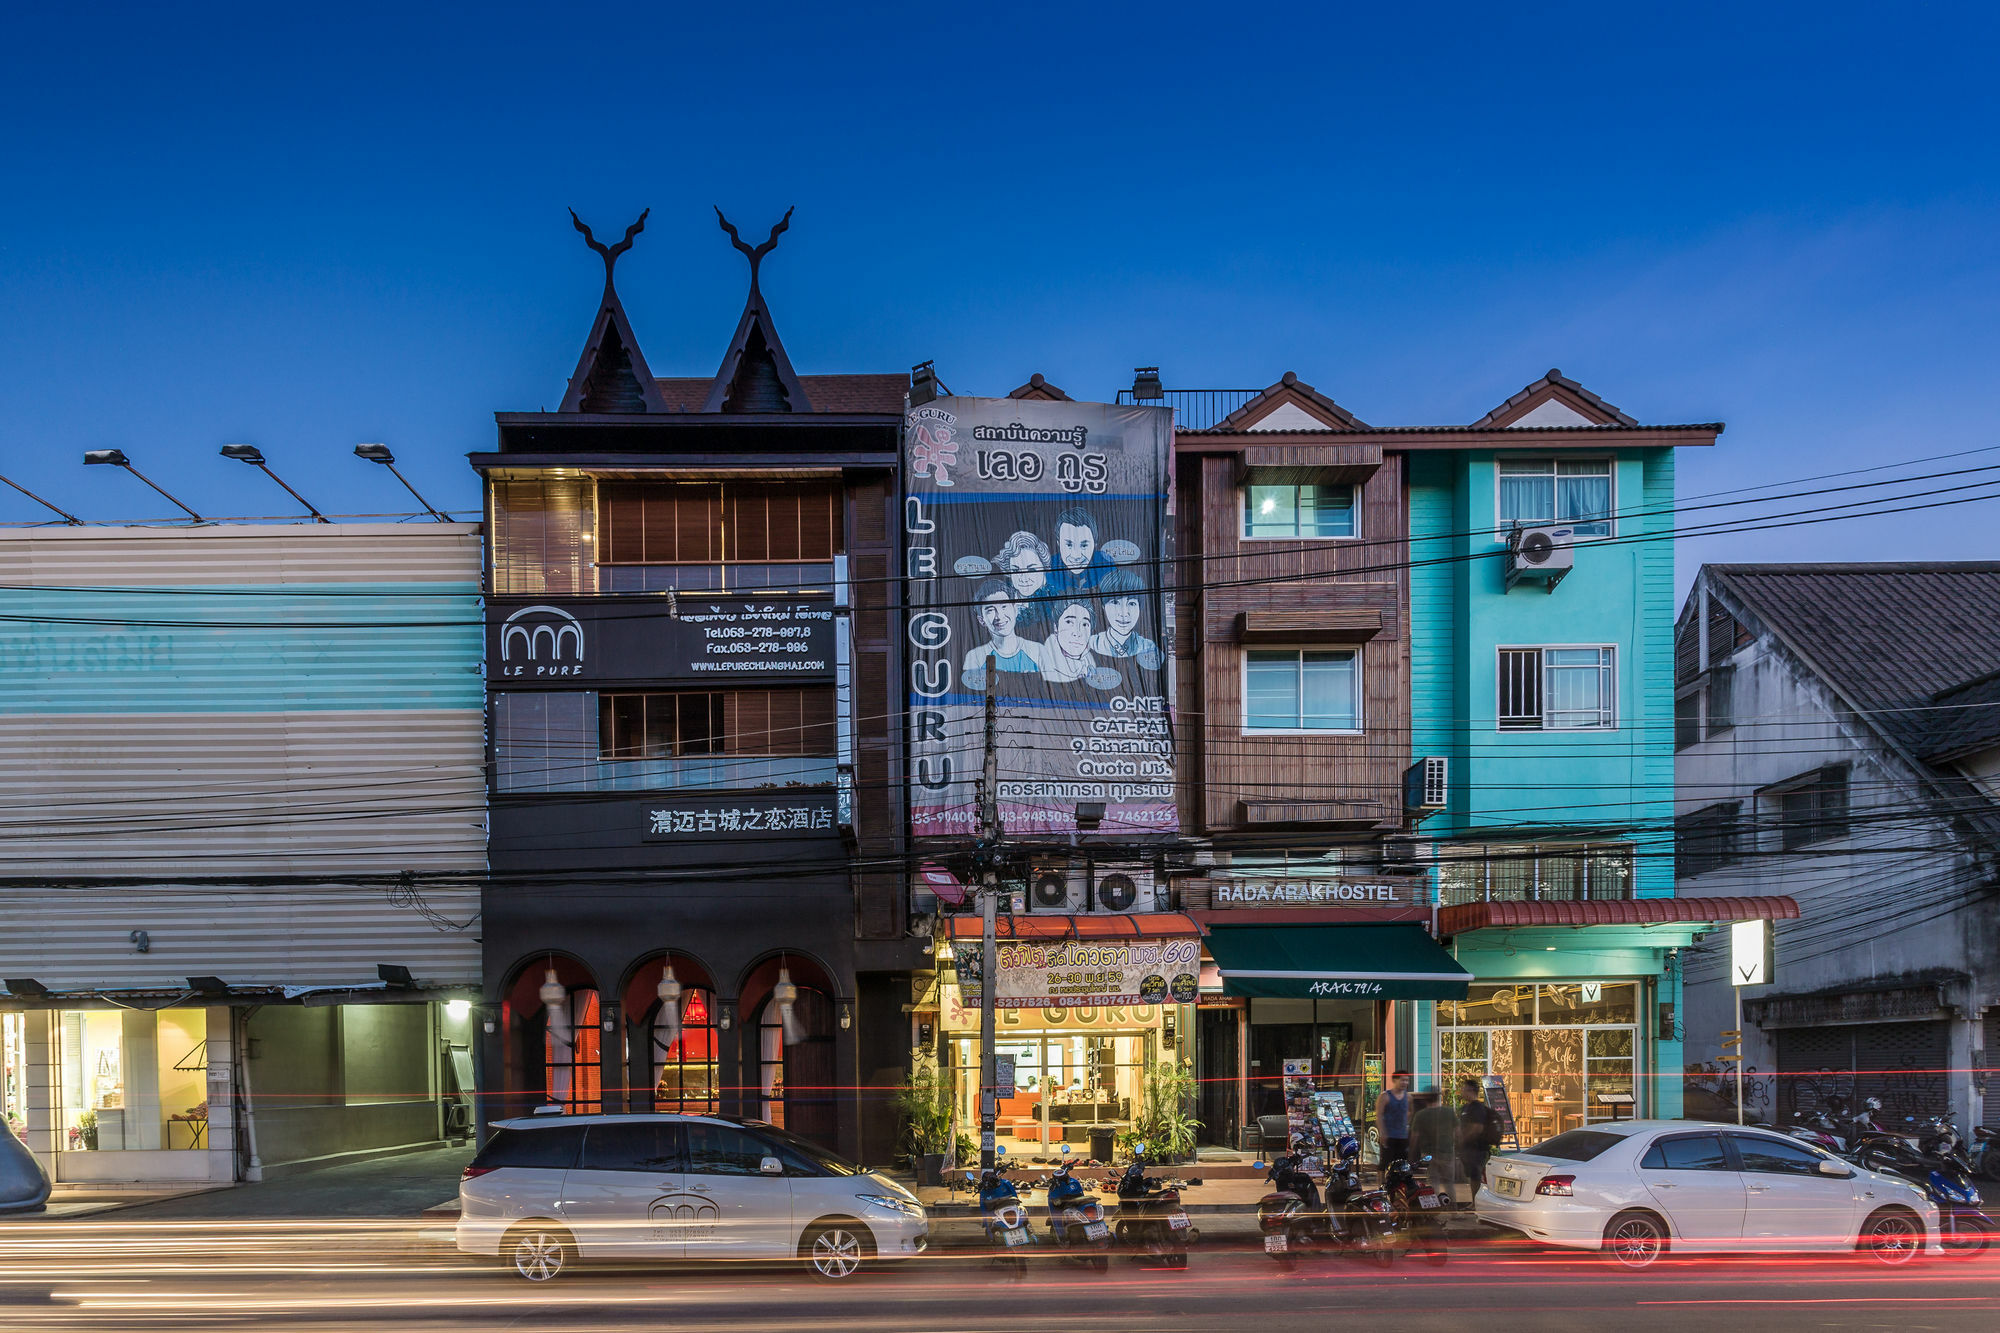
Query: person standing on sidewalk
(1434, 1134)
(1392, 1118)
(1478, 1131)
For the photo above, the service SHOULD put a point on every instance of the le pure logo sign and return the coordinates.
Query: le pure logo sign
(540, 642)
(661, 640)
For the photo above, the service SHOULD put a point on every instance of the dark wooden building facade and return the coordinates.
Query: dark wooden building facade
(694, 763)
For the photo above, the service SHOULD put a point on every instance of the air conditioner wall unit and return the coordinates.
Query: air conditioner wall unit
(1063, 888)
(1541, 555)
(1427, 784)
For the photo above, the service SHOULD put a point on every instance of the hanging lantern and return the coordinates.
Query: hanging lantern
(667, 1026)
(787, 995)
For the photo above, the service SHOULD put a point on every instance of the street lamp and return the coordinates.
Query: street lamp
(379, 453)
(67, 517)
(249, 453)
(116, 458)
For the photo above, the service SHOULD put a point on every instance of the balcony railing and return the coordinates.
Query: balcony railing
(1196, 409)
(1560, 872)
(527, 772)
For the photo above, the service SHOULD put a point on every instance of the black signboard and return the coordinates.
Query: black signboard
(657, 639)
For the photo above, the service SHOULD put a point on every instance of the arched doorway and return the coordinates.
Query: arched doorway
(553, 1050)
(678, 1067)
(797, 1083)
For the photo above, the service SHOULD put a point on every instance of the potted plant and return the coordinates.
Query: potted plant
(923, 1104)
(1163, 1123)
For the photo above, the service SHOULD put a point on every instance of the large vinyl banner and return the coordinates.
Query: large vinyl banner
(1037, 544)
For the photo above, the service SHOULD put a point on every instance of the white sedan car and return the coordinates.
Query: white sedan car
(1634, 1189)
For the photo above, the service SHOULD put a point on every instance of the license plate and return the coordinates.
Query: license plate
(1427, 1201)
(1274, 1244)
(1016, 1237)
(1178, 1221)
(1097, 1231)
(1508, 1186)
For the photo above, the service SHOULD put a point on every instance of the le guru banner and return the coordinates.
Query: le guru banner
(1066, 974)
(1037, 548)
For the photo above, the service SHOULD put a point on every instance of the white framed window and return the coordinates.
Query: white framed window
(1558, 689)
(1541, 492)
(1313, 512)
(1302, 690)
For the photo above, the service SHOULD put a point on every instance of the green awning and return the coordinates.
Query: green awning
(1400, 962)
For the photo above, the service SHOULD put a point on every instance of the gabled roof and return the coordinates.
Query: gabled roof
(1290, 404)
(611, 376)
(756, 375)
(1040, 389)
(827, 393)
(1902, 643)
(1555, 400)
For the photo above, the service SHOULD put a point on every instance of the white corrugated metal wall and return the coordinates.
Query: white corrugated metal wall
(236, 740)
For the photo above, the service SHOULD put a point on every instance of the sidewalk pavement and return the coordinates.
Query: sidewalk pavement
(382, 1187)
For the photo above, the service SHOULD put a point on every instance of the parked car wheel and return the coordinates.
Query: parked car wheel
(1635, 1240)
(835, 1251)
(538, 1251)
(1894, 1236)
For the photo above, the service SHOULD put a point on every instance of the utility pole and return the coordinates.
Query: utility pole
(987, 864)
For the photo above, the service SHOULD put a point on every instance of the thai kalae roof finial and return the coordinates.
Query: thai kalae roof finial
(756, 254)
(610, 253)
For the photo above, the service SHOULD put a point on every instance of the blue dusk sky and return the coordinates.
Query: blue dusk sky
(306, 227)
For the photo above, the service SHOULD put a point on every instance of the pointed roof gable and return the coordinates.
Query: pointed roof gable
(1554, 400)
(756, 375)
(1039, 389)
(1290, 404)
(611, 376)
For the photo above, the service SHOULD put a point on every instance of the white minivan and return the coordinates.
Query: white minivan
(547, 1190)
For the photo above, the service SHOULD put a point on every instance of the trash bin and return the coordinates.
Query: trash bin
(1103, 1141)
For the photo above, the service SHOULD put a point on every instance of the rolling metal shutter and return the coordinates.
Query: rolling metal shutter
(1904, 1064)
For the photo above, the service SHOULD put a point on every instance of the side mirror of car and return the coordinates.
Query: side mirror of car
(1836, 1169)
(771, 1166)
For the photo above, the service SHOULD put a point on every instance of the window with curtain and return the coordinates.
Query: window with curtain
(1299, 511)
(1293, 689)
(542, 537)
(684, 1072)
(712, 536)
(1538, 492)
(1557, 689)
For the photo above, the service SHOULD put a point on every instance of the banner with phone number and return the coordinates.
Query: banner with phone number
(1042, 974)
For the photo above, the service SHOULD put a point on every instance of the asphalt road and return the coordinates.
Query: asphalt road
(349, 1275)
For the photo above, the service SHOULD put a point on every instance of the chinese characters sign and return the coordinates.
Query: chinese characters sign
(1036, 548)
(664, 825)
(1042, 974)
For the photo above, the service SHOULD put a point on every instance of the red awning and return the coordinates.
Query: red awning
(1619, 912)
(1054, 926)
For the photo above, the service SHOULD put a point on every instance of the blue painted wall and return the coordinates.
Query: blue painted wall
(1508, 785)
(253, 649)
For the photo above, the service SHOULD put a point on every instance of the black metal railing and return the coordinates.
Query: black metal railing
(1196, 409)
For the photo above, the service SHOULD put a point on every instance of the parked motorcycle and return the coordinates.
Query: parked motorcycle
(1985, 1153)
(1964, 1230)
(1150, 1217)
(1298, 1223)
(1418, 1208)
(1004, 1218)
(1076, 1220)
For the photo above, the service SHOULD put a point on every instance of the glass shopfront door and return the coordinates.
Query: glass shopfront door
(1065, 1084)
(1558, 1048)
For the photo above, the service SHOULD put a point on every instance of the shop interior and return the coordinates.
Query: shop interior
(1565, 1052)
(133, 1079)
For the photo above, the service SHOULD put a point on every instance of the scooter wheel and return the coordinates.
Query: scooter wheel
(1020, 1266)
(1968, 1239)
(1176, 1261)
(1100, 1263)
(1384, 1258)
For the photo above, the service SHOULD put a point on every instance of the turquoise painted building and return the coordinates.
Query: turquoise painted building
(1541, 673)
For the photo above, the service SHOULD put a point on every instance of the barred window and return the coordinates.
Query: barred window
(1708, 839)
(1557, 689)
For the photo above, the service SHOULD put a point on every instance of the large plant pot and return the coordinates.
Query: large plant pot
(930, 1168)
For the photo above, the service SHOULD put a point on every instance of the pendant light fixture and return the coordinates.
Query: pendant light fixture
(667, 1025)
